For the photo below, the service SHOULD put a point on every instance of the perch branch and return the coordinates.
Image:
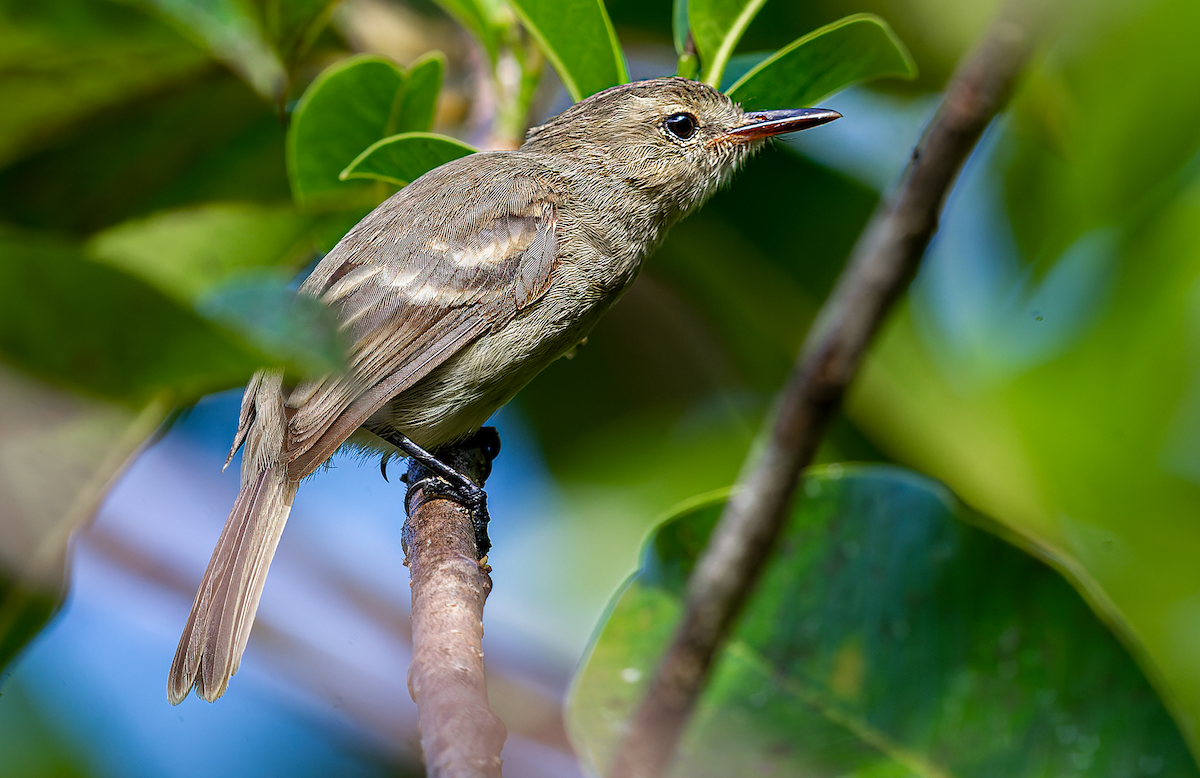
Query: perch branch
(460, 736)
(884, 260)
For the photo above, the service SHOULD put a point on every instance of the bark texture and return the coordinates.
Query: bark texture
(460, 736)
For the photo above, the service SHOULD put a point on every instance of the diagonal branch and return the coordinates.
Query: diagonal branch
(884, 260)
(460, 736)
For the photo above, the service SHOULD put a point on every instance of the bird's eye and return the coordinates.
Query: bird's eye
(681, 125)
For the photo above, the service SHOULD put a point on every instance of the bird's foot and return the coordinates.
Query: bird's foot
(473, 498)
(442, 475)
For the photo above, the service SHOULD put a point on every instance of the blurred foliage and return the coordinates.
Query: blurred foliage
(167, 166)
(137, 178)
(199, 139)
(62, 61)
(480, 17)
(291, 25)
(1046, 367)
(85, 325)
(887, 637)
(23, 612)
(206, 243)
(30, 745)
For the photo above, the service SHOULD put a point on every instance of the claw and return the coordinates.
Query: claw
(442, 478)
(473, 499)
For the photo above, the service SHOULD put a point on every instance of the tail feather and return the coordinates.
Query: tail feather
(218, 627)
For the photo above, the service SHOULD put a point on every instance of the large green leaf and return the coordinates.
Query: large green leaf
(888, 637)
(234, 260)
(854, 49)
(402, 159)
(186, 252)
(90, 327)
(717, 26)
(579, 40)
(347, 108)
(292, 327)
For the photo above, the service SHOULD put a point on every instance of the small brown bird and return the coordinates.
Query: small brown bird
(454, 294)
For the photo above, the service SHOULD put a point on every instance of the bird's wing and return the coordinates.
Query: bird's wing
(454, 255)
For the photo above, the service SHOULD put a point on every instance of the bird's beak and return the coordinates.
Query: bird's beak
(764, 124)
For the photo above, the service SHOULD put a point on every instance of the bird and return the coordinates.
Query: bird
(452, 295)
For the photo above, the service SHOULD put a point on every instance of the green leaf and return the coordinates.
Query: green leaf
(717, 26)
(477, 17)
(402, 159)
(95, 329)
(850, 50)
(888, 637)
(741, 64)
(186, 252)
(418, 106)
(679, 24)
(578, 38)
(295, 328)
(347, 108)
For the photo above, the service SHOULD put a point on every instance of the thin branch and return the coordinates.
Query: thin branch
(460, 736)
(884, 260)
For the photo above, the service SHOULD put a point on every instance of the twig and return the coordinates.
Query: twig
(460, 736)
(884, 260)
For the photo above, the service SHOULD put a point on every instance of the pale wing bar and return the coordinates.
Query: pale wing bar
(426, 303)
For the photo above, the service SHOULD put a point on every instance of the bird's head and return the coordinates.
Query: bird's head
(673, 140)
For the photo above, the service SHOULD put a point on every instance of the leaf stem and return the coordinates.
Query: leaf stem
(516, 76)
(689, 61)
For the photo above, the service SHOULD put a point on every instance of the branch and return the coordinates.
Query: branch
(884, 260)
(460, 736)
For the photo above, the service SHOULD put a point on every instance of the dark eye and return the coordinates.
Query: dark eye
(681, 125)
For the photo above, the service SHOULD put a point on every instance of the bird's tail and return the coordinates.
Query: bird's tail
(215, 636)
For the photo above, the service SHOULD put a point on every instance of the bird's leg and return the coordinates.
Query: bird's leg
(433, 474)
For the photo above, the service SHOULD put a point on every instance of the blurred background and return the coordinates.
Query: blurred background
(1045, 366)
